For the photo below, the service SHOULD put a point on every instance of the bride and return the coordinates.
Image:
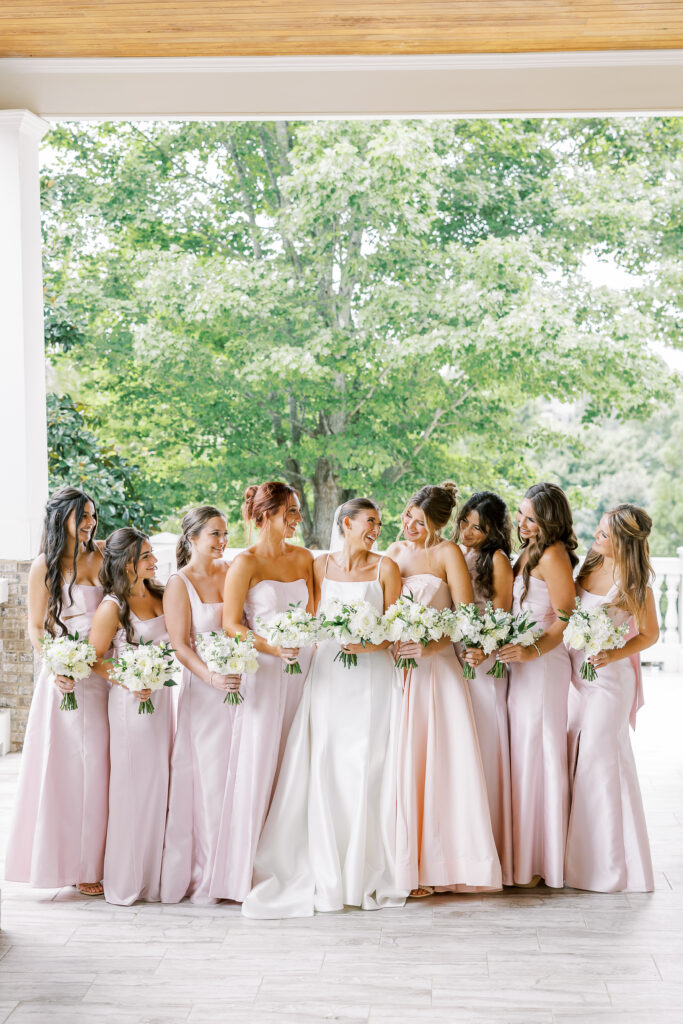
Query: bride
(328, 839)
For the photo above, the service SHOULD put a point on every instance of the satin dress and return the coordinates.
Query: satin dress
(59, 825)
(537, 708)
(607, 843)
(443, 827)
(199, 772)
(261, 726)
(330, 835)
(138, 785)
(489, 704)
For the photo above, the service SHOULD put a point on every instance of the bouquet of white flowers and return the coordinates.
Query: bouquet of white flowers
(357, 622)
(513, 629)
(464, 624)
(592, 630)
(294, 628)
(68, 656)
(408, 621)
(144, 666)
(229, 655)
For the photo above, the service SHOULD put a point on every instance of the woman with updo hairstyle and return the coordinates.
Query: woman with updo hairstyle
(538, 688)
(485, 535)
(132, 611)
(193, 605)
(329, 838)
(263, 581)
(444, 838)
(59, 825)
(607, 843)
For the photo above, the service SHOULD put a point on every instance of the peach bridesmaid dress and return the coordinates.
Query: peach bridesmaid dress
(537, 708)
(59, 825)
(260, 728)
(443, 828)
(489, 704)
(199, 771)
(607, 843)
(140, 751)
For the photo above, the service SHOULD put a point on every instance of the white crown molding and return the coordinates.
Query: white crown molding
(23, 122)
(467, 85)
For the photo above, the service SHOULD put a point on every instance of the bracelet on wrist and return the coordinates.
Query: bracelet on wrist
(538, 649)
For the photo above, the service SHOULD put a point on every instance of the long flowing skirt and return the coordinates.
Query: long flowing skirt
(59, 827)
(329, 838)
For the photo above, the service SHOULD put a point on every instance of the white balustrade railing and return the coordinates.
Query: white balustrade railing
(668, 589)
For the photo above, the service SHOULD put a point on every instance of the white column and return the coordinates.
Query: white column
(23, 434)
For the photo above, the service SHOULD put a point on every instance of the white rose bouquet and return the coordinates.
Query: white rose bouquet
(520, 629)
(465, 625)
(144, 666)
(591, 630)
(408, 621)
(357, 622)
(294, 628)
(68, 656)
(229, 655)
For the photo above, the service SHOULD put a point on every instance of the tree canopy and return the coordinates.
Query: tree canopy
(357, 307)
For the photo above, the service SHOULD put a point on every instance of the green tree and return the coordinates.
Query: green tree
(355, 306)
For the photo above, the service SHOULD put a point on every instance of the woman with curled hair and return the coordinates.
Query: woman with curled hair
(443, 834)
(58, 831)
(140, 748)
(261, 582)
(193, 605)
(485, 535)
(539, 688)
(607, 843)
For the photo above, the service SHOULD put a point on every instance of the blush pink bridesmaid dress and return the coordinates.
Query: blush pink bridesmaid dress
(199, 771)
(537, 708)
(260, 728)
(443, 828)
(489, 704)
(59, 825)
(140, 750)
(607, 843)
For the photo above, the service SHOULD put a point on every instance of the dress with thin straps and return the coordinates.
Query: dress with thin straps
(329, 839)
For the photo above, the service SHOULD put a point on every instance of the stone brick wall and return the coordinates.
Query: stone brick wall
(16, 653)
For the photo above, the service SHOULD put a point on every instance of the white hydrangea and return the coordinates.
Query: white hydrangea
(592, 630)
(293, 628)
(229, 656)
(68, 656)
(144, 666)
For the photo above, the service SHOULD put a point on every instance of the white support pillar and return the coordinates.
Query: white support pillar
(23, 433)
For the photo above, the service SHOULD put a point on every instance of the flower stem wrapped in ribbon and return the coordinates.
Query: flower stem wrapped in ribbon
(355, 622)
(293, 628)
(408, 621)
(68, 656)
(591, 630)
(464, 624)
(230, 656)
(144, 666)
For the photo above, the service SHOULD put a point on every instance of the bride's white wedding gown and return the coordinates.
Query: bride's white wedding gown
(329, 839)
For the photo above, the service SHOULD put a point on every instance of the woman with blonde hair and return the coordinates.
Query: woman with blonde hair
(607, 843)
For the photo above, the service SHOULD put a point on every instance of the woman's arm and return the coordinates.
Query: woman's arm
(555, 570)
(503, 580)
(37, 602)
(105, 625)
(178, 616)
(648, 634)
(457, 574)
(237, 582)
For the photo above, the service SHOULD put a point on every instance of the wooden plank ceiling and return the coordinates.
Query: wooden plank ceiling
(212, 28)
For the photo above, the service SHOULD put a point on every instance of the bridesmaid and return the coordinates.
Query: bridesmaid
(443, 830)
(131, 611)
(330, 834)
(193, 604)
(485, 534)
(539, 688)
(59, 826)
(261, 582)
(607, 844)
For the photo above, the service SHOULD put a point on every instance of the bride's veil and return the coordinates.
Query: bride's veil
(337, 535)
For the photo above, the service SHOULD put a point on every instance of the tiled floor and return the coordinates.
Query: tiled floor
(521, 957)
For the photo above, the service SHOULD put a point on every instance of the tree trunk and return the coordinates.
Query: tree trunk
(327, 495)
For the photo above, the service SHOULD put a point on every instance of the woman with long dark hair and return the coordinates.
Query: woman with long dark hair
(443, 829)
(485, 534)
(539, 687)
(193, 605)
(58, 831)
(140, 745)
(261, 582)
(607, 843)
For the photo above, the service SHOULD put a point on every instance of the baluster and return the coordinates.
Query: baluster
(673, 583)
